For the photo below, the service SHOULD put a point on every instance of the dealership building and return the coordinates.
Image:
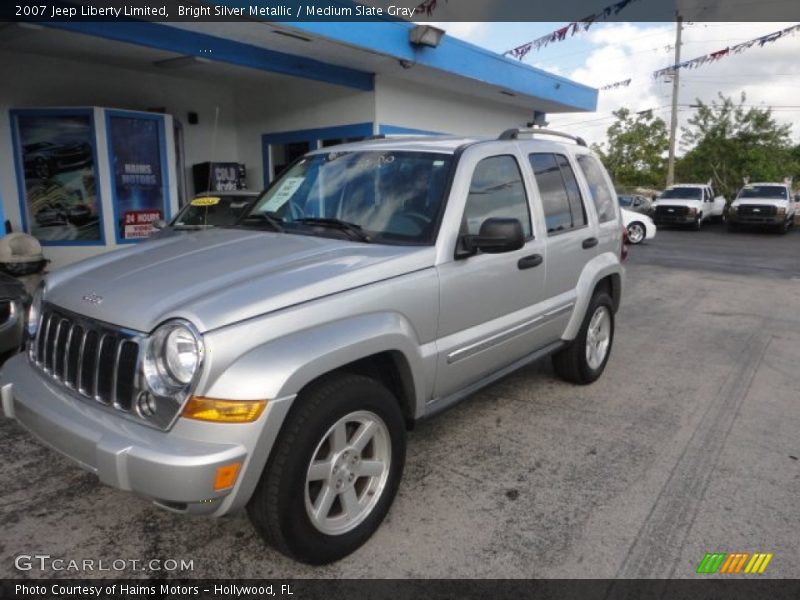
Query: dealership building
(108, 126)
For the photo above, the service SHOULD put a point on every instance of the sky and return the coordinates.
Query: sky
(611, 52)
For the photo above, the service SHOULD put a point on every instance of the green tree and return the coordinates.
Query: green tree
(635, 151)
(728, 141)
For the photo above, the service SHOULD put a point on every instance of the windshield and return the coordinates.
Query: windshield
(774, 192)
(216, 211)
(625, 200)
(392, 197)
(683, 193)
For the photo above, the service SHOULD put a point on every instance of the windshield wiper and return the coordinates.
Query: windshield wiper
(263, 217)
(353, 230)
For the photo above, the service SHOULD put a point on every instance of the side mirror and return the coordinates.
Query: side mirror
(797, 197)
(496, 235)
(159, 224)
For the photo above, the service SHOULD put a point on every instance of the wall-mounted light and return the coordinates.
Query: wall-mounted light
(181, 62)
(425, 35)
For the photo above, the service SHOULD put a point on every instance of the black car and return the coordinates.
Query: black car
(45, 159)
(59, 213)
(14, 302)
(207, 210)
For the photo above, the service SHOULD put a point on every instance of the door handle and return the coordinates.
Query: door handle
(529, 262)
(590, 242)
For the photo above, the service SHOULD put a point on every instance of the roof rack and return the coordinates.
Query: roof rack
(514, 134)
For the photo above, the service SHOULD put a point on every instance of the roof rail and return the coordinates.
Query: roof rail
(514, 134)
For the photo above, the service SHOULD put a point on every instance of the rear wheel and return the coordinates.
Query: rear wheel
(333, 472)
(584, 360)
(636, 233)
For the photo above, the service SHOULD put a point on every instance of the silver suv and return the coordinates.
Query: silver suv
(277, 364)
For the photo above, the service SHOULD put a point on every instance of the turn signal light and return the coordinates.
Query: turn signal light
(223, 411)
(226, 476)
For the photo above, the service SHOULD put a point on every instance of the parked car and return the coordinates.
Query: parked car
(276, 364)
(640, 227)
(208, 210)
(14, 301)
(765, 205)
(688, 204)
(45, 159)
(60, 213)
(636, 203)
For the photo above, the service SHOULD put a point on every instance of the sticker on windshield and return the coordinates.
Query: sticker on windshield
(282, 195)
(205, 201)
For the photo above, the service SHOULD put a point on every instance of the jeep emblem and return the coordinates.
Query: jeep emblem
(93, 298)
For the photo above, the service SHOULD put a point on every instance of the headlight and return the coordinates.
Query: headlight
(35, 312)
(173, 357)
(692, 211)
(733, 208)
(781, 210)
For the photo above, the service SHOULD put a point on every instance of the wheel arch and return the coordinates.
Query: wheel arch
(602, 272)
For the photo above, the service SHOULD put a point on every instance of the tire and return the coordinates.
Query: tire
(783, 229)
(283, 502)
(637, 233)
(698, 225)
(572, 363)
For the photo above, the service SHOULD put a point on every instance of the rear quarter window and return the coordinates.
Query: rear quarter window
(601, 194)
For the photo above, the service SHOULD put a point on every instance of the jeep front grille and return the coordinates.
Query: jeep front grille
(96, 360)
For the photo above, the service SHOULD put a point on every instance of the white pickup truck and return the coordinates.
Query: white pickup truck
(688, 204)
(764, 205)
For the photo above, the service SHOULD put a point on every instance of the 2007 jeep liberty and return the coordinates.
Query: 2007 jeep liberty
(276, 364)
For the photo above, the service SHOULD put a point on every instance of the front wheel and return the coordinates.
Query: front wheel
(333, 472)
(636, 233)
(584, 360)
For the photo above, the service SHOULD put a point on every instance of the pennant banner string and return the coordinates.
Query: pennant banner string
(719, 54)
(560, 35)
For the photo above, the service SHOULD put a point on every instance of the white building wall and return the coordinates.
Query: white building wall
(299, 104)
(408, 104)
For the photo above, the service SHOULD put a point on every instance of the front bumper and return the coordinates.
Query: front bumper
(175, 469)
(738, 219)
(661, 220)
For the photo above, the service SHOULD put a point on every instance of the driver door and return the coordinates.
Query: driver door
(489, 303)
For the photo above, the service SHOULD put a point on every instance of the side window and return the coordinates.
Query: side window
(573, 192)
(496, 191)
(601, 195)
(561, 198)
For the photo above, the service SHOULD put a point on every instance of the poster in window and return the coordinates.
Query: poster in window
(58, 176)
(136, 154)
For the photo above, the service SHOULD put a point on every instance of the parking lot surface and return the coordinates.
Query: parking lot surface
(688, 444)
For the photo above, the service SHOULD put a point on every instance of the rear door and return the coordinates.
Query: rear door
(572, 239)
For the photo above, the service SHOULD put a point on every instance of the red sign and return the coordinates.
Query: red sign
(139, 223)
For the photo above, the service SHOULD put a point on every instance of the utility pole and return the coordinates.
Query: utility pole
(676, 80)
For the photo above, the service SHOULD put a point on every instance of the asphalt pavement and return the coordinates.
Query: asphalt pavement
(688, 444)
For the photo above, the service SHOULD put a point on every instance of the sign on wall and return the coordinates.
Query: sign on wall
(136, 154)
(57, 175)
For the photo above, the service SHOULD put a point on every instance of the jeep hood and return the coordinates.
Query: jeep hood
(222, 276)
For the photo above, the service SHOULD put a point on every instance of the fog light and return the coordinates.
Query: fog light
(226, 476)
(146, 404)
(223, 411)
